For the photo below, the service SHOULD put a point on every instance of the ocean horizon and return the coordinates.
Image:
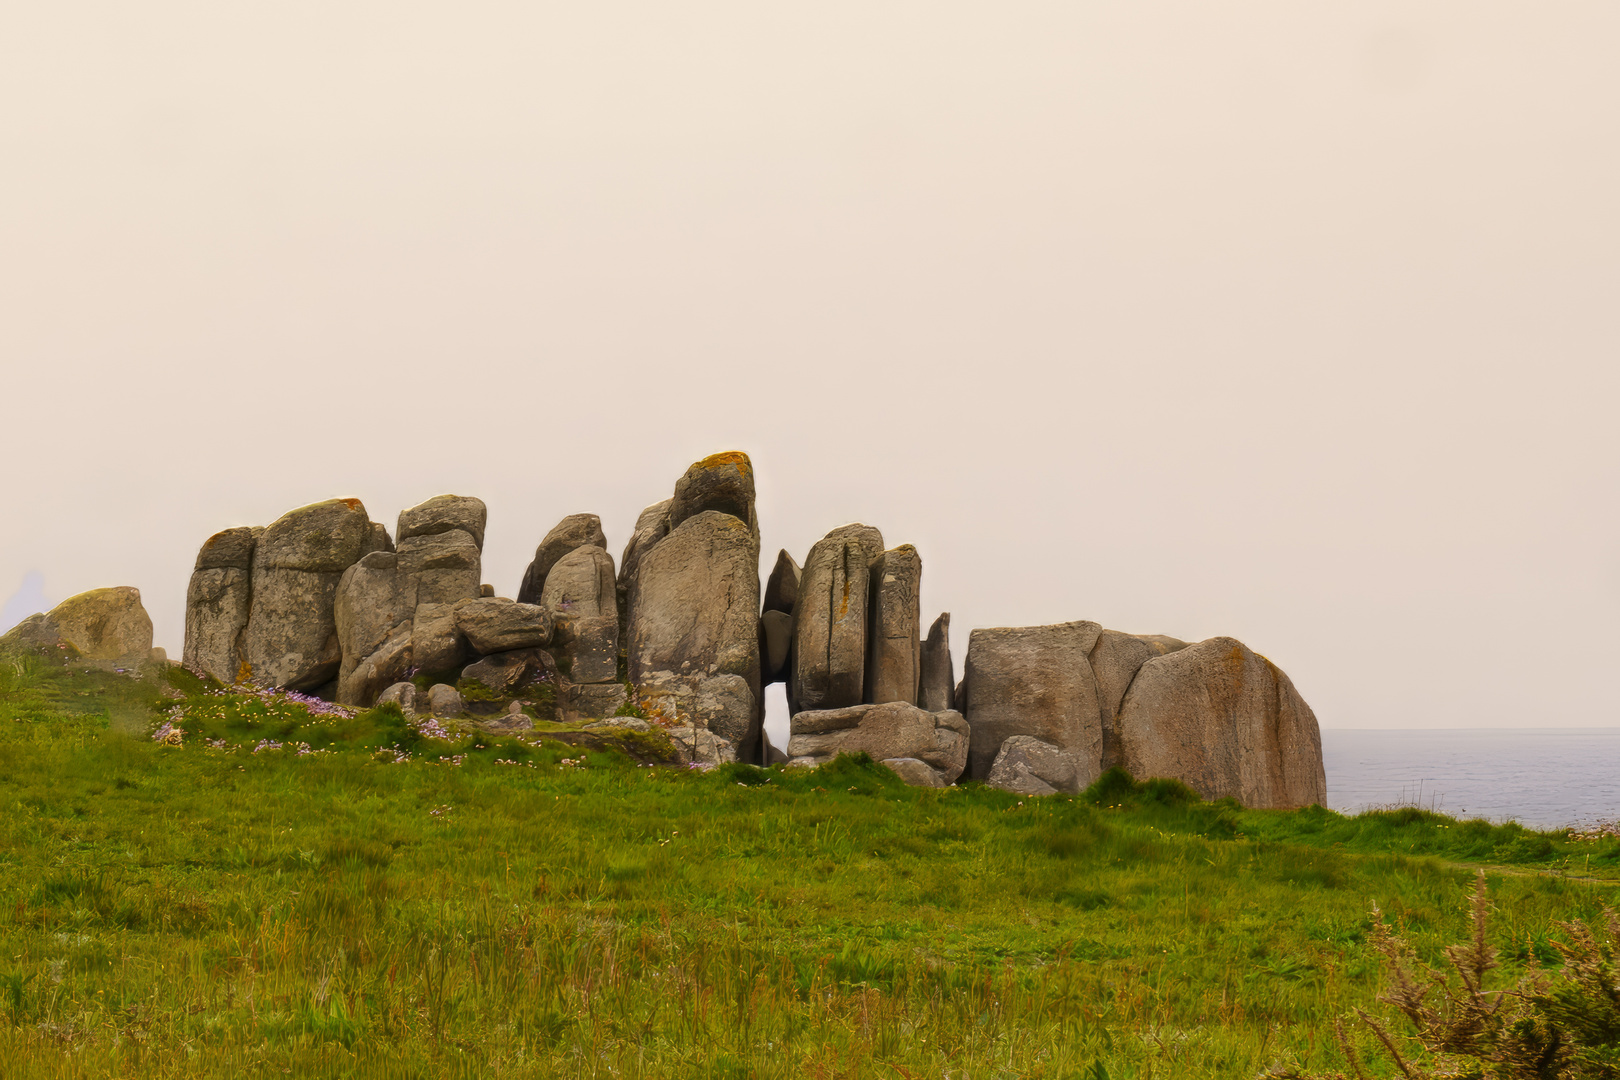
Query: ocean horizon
(1544, 778)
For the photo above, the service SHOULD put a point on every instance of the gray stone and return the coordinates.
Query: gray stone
(496, 625)
(373, 618)
(503, 672)
(582, 597)
(445, 701)
(722, 483)
(893, 729)
(937, 689)
(106, 628)
(776, 641)
(915, 772)
(774, 756)
(573, 531)
(723, 704)
(403, 694)
(829, 625)
(651, 527)
(1028, 766)
(441, 568)
(437, 643)
(694, 744)
(694, 618)
(869, 537)
(1226, 722)
(378, 539)
(486, 590)
(894, 651)
(782, 586)
(441, 514)
(231, 549)
(1033, 680)
(589, 701)
(291, 635)
(1115, 660)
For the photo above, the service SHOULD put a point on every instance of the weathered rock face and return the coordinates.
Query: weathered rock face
(1226, 722)
(218, 600)
(508, 672)
(886, 731)
(937, 680)
(442, 514)
(829, 622)
(497, 625)
(291, 637)
(403, 694)
(582, 597)
(437, 643)
(1115, 660)
(1033, 680)
(694, 619)
(1028, 766)
(782, 586)
(894, 652)
(373, 617)
(106, 628)
(720, 482)
(573, 531)
(651, 527)
(775, 644)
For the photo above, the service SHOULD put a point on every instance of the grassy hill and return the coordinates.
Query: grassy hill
(367, 900)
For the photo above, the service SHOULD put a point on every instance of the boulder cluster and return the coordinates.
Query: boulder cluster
(680, 633)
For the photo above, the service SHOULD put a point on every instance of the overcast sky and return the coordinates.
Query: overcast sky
(1292, 321)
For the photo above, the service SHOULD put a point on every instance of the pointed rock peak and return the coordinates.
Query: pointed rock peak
(782, 587)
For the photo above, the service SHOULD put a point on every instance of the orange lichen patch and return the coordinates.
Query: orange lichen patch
(729, 457)
(352, 504)
(244, 673)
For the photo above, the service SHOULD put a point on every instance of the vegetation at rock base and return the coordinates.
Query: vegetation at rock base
(369, 899)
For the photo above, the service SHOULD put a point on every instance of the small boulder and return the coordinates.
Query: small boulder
(403, 694)
(914, 771)
(496, 625)
(573, 531)
(441, 514)
(445, 701)
(894, 729)
(720, 482)
(107, 628)
(503, 672)
(589, 701)
(1028, 766)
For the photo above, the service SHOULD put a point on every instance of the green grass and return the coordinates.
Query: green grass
(491, 907)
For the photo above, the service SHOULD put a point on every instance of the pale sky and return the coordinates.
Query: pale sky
(1291, 321)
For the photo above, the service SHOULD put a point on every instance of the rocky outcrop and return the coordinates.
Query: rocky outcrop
(106, 628)
(894, 651)
(830, 620)
(373, 616)
(936, 691)
(720, 482)
(442, 514)
(651, 527)
(496, 625)
(291, 637)
(887, 731)
(218, 600)
(1033, 680)
(1225, 721)
(573, 531)
(1028, 766)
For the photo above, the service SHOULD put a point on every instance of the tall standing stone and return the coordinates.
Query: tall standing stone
(721, 482)
(291, 637)
(937, 683)
(894, 652)
(828, 667)
(573, 531)
(1225, 721)
(694, 626)
(582, 596)
(219, 598)
(1033, 680)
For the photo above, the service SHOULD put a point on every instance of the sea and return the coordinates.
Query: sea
(1543, 778)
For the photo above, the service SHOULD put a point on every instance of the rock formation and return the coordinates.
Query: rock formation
(1225, 721)
(324, 600)
(106, 628)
